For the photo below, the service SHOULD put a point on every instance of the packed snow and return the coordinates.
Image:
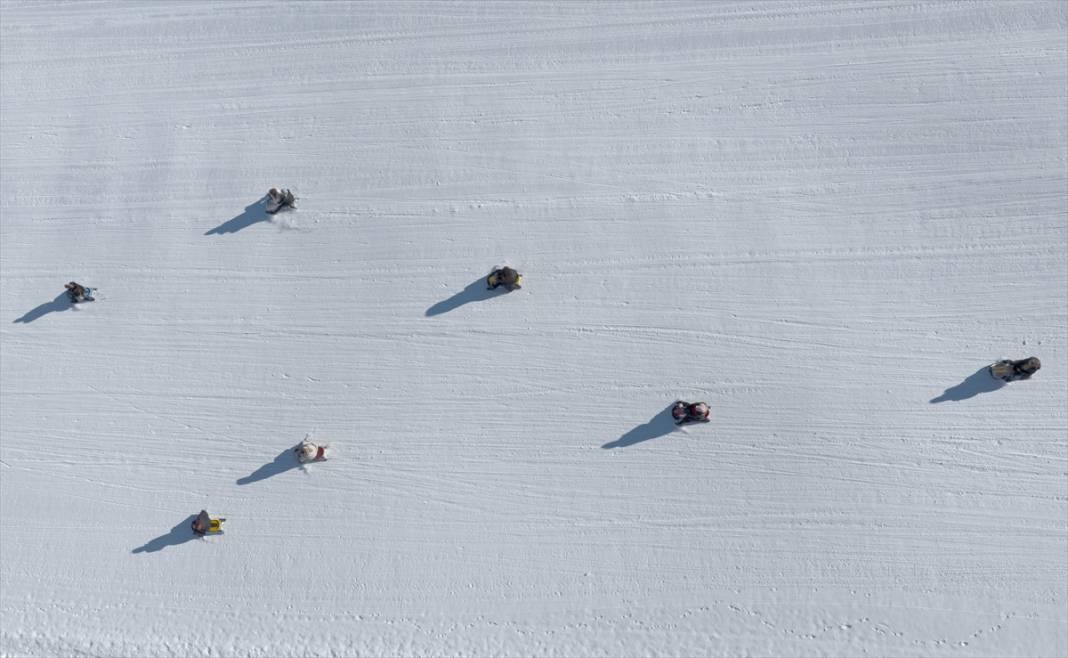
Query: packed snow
(823, 219)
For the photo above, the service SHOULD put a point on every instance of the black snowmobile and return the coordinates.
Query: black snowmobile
(504, 276)
(279, 199)
(1011, 371)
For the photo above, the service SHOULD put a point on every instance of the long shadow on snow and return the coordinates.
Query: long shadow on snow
(979, 382)
(659, 425)
(253, 214)
(179, 534)
(475, 291)
(285, 461)
(60, 303)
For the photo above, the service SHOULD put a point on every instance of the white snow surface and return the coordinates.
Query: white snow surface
(824, 219)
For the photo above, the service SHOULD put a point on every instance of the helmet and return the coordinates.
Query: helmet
(273, 191)
(1031, 365)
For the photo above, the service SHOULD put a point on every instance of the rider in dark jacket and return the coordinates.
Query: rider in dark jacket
(1011, 371)
(687, 412)
(506, 277)
(202, 523)
(76, 292)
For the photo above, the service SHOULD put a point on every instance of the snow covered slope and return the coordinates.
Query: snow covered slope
(823, 219)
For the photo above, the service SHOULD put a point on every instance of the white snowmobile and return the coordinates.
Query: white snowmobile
(278, 199)
(1010, 371)
(308, 452)
(690, 412)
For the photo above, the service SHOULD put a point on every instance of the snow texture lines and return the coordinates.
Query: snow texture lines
(824, 219)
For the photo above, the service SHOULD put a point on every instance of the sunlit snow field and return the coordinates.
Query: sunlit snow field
(824, 219)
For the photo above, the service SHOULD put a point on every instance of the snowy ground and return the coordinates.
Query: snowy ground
(823, 219)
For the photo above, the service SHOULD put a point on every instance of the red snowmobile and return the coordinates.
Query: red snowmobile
(690, 412)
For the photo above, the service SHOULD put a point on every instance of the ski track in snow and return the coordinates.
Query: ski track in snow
(821, 218)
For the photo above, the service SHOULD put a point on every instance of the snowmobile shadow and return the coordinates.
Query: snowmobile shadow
(179, 534)
(285, 461)
(474, 292)
(253, 214)
(60, 303)
(979, 382)
(661, 424)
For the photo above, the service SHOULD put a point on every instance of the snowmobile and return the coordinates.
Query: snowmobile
(1010, 371)
(79, 293)
(205, 525)
(504, 276)
(690, 412)
(308, 452)
(278, 199)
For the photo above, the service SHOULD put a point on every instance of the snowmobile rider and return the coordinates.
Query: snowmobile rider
(506, 277)
(684, 412)
(276, 200)
(308, 452)
(1021, 369)
(202, 524)
(76, 292)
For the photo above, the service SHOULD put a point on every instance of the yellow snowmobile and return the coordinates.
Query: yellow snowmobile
(205, 525)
